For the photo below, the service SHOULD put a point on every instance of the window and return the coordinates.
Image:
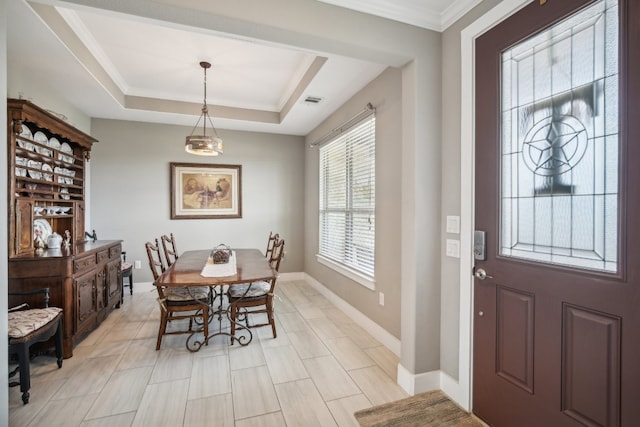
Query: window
(348, 201)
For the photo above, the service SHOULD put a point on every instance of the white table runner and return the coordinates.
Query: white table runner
(220, 270)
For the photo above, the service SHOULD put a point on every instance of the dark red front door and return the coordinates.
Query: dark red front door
(557, 317)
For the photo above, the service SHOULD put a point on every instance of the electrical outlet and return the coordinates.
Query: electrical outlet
(137, 264)
(381, 298)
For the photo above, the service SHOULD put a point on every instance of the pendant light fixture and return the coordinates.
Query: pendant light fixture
(204, 145)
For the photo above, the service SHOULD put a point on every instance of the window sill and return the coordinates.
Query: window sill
(348, 272)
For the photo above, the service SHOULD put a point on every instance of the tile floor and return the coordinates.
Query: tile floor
(320, 369)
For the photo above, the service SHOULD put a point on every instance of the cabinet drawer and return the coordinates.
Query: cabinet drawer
(84, 263)
(114, 251)
(102, 256)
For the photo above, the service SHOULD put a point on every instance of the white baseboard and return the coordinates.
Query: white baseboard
(435, 380)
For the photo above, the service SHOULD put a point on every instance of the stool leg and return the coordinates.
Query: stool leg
(131, 284)
(25, 372)
(58, 340)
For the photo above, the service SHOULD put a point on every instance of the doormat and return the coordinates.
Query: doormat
(422, 410)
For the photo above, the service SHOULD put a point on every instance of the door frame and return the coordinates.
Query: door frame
(463, 395)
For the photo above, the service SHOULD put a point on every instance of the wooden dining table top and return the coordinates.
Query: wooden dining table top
(251, 266)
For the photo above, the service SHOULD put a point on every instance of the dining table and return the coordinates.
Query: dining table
(196, 268)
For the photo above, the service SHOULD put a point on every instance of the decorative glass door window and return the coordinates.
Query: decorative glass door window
(559, 155)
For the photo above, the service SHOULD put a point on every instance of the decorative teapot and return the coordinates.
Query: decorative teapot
(54, 240)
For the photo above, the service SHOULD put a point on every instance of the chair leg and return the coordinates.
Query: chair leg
(271, 319)
(25, 372)
(131, 284)
(58, 341)
(162, 329)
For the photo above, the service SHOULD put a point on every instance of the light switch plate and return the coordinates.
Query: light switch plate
(453, 224)
(453, 248)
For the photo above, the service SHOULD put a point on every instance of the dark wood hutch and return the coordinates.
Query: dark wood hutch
(46, 194)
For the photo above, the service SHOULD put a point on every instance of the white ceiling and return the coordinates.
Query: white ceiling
(119, 66)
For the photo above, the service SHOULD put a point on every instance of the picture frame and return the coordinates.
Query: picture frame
(205, 191)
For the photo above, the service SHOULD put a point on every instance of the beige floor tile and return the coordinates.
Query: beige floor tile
(343, 409)
(210, 376)
(120, 420)
(210, 411)
(359, 336)
(326, 329)
(275, 419)
(292, 322)
(149, 329)
(253, 392)
(122, 393)
(249, 356)
(338, 316)
(311, 312)
(64, 413)
(302, 405)
(109, 348)
(386, 359)
(172, 365)
(265, 336)
(89, 378)
(163, 404)
(332, 381)
(281, 303)
(40, 394)
(377, 385)
(284, 364)
(139, 353)
(307, 344)
(348, 354)
(123, 331)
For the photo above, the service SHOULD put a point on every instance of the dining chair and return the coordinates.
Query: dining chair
(178, 303)
(273, 238)
(257, 297)
(27, 326)
(170, 250)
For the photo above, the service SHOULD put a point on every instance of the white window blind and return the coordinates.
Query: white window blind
(347, 198)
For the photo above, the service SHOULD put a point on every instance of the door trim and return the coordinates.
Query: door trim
(462, 393)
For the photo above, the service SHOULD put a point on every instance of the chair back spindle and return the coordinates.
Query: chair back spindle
(155, 259)
(170, 250)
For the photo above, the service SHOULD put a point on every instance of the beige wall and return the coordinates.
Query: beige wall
(385, 94)
(450, 267)
(130, 197)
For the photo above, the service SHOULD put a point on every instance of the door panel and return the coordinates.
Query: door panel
(556, 322)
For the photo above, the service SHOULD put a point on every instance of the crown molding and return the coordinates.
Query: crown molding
(413, 12)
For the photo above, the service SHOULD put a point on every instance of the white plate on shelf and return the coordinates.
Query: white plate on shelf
(54, 143)
(35, 165)
(47, 176)
(64, 193)
(25, 144)
(26, 132)
(43, 227)
(40, 137)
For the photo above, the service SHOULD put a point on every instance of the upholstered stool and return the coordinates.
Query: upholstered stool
(27, 327)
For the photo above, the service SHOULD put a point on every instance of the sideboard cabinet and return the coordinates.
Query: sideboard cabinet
(46, 184)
